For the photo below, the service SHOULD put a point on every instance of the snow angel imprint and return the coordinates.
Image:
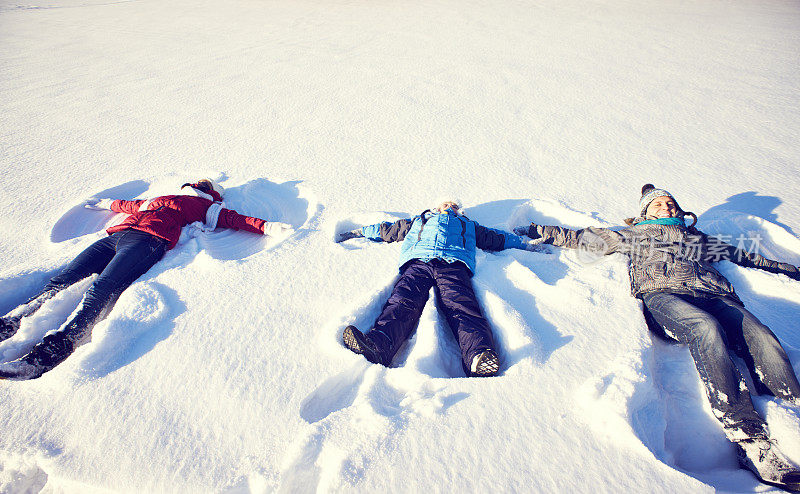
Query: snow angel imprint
(685, 296)
(131, 249)
(438, 251)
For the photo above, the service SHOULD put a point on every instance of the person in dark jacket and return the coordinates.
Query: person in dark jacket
(438, 251)
(684, 296)
(131, 249)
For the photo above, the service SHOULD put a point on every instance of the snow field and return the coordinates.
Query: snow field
(221, 369)
(633, 391)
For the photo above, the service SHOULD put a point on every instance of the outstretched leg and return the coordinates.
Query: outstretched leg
(692, 320)
(402, 310)
(136, 253)
(456, 297)
(726, 390)
(760, 349)
(92, 260)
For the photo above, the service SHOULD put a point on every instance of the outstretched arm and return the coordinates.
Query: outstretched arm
(599, 240)
(494, 240)
(380, 232)
(229, 218)
(118, 205)
(719, 250)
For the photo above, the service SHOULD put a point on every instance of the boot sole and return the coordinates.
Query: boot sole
(357, 342)
(21, 376)
(488, 364)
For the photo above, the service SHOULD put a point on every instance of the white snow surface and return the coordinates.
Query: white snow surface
(221, 369)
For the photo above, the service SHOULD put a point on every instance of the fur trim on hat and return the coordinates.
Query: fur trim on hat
(443, 199)
(215, 186)
(217, 191)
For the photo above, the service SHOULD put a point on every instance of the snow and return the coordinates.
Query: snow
(221, 369)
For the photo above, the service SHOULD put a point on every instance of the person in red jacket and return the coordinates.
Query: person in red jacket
(130, 250)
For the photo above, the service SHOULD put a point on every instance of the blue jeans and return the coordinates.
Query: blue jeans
(713, 328)
(453, 289)
(119, 260)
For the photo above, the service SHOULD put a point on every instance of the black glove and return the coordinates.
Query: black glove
(522, 231)
(529, 231)
(348, 235)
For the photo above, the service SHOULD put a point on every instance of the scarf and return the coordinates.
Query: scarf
(663, 221)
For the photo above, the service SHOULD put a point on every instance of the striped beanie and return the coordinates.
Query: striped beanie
(649, 193)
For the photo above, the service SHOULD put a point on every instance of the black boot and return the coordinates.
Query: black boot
(359, 343)
(485, 364)
(8, 327)
(761, 456)
(54, 349)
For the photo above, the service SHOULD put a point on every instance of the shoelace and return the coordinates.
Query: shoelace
(763, 450)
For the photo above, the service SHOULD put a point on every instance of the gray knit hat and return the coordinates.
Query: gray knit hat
(649, 193)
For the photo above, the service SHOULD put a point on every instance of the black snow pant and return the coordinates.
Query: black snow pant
(118, 260)
(453, 289)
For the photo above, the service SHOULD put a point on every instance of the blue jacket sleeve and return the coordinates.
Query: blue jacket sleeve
(493, 240)
(388, 232)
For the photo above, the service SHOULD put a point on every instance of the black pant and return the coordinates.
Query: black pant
(453, 288)
(118, 260)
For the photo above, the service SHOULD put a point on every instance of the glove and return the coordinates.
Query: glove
(533, 245)
(529, 231)
(99, 204)
(522, 231)
(275, 228)
(348, 235)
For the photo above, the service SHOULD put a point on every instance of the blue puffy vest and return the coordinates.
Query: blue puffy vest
(444, 236)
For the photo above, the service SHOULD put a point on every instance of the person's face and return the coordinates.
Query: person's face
(662, 207)
(448, 205)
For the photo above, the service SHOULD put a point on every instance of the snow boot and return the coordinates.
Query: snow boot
(19, 370)
(8, 327)
(760, 455)
(54, 349)
(358, 342)
(485, 364)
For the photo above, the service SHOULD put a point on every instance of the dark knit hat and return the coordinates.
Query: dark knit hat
(209, 187)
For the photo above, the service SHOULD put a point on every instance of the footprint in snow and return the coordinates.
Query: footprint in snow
(350, 415)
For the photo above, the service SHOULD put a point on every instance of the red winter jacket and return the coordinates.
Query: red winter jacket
(166, 215)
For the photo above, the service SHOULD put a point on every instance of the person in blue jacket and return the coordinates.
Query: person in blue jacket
(438, 251)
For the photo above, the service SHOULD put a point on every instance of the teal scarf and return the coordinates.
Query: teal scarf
(663, 221)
